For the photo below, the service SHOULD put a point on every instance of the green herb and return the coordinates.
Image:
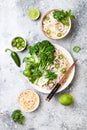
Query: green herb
(14, 56)
(50, 75)
(63, 70)
(63, 16)
(17, 116)
(60, 56)
(59, 34)
(41, 55)
(76, 49)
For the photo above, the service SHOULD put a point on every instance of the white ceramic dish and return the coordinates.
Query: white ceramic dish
(14, 48)
(70, 78)
(37, 104)
(54, 27)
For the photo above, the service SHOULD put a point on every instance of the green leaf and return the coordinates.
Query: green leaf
(63, 16)
(50, 75)
(72, 17)
(44, 52)
(17, 116)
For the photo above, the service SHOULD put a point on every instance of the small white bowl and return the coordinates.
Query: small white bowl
(14, 48)
(37, 104)
(49, 35)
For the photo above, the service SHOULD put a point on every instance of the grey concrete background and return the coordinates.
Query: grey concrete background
(49, 116)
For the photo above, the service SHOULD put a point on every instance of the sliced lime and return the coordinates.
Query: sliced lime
(33, 13)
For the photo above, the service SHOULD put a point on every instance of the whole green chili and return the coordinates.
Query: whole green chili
(14, 56)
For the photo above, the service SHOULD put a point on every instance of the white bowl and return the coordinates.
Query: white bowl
(52, 37)
(38, 102)
(70, 78)
(14, 48)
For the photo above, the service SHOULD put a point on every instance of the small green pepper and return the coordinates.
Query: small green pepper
(14, 56)
(60, 56)
(59, 34)
(57, 66)
(76, 49)
(63, 70)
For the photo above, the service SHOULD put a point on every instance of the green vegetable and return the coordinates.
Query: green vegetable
(60, 56)
(66, 99)
(63, 70)
(59, 34)
(41, 55)
(48, 31)
(47, 18)
(57, 66)
(18, 43)
(50, 75)
(63, 16)
(14, 56)
(76, 49)
(17, 116)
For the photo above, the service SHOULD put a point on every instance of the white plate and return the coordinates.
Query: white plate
(70, 78)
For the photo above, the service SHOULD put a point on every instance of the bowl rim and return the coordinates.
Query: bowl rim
(37, 105)
(68, 81)
(14, 48)
(44, 31)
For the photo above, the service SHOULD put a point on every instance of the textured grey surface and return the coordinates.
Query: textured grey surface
(49, 116)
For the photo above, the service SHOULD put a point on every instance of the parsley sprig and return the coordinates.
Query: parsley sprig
(63, 16)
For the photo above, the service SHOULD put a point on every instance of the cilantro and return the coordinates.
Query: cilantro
(50, 75)
(41, 55)
(17, 116)
(63, 16)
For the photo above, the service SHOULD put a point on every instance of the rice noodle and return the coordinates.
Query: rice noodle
(64, 63)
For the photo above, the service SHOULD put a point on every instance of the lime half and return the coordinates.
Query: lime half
(66, 99)
(33, 13)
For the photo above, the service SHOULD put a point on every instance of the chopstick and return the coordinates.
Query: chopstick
(58, 85)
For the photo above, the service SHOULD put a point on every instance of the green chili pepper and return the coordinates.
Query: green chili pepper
(14, 56)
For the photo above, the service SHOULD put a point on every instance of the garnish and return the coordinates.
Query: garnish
(50, 75)
(18, 43)
(60, 56)
(63, 70)
(33, 13)
(59, 34)
(41, 55)
(17, 116)
(47, 18)
(48, 31)
(76, 49)
(57, 66)
(63, 16)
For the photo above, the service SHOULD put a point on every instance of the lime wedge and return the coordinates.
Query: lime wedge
(33, 13)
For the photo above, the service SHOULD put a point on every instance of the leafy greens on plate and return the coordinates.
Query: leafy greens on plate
(41, 55)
